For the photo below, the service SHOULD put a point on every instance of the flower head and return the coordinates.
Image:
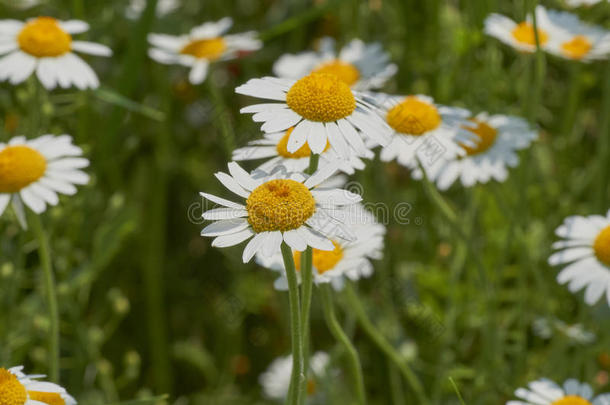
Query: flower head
(547, 392)
(576, 40)
(17, 388)
(521, 35)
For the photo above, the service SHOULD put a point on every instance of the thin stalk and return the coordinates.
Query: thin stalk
(221, 114)
(540, 68)
(297, 378)
(382, 344)
(337, 331)
(51, 293)
(603, 157)
(569, 114)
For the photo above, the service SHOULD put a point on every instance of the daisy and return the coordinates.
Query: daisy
(321, 108)
(33, 172)
(576, 40)
(499, 137)
(16, 388)
(520, 36)
(203, 45)
(45, 45)
(547, 392)
(274, 148)
(276, 380)
(361, 66)
(23, 4)
(585, 251)
(164, 7)
(280, 206)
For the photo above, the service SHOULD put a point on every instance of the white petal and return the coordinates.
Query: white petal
(91, 48)
(224, 227)
(295, 241)
(242, 177)
(231, 184)
(224, 213)
(298, 136)
(254, 246)
(74, 26)
(199, 71)
(316, 138)
(272, 244)
(232, 239)
(320, 175)
(34, 202)
(4, 200)
(221, 201)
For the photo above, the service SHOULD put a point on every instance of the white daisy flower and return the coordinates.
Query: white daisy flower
(22, 4)
(520, 36)
(498, 138)
(164, 7)
(274, 148)
(45, 45)
(280, 206)
(276, 380)
(361, 66)
(585, 250)
(33, 172)
(17, 388)
(545, 328)
(547, 392)
(203, 45)
(580, 3)
(321, 108)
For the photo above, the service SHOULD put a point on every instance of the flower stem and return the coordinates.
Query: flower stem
(51, 293)
(221, 114)
(540, 68)
(297, 379)
(339, 334)
(603, 157)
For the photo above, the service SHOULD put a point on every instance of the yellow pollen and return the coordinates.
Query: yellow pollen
(487, 136)
(49, 398)
(577, 47)
(302, 152)
(323, 260)
(524, 33)
(12, 392)
(43, 37)
(601, 246)
(321, 97)
(413, 117)
(20, 166)
(571, 400)
(346, 72)
(279, 205)
(211, 49)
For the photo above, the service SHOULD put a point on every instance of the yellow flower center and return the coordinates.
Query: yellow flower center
(43, 37)
(303, 151)
(413, 117)
(323, 260)
(571, 400)
(279, 205)
(20, 166)
(346, 72)
(49, 398)
(524, 33)
(577, 47)
(12, 392)
(321, 97)
(601, 246)
(487, 136)
(211, 49)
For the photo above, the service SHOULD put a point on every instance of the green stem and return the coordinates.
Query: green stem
(573, 96)
(51, 293)
(539, 68)
(603, 158)
(297, 379)
(221, 114)
(382, 344)
(339, 334)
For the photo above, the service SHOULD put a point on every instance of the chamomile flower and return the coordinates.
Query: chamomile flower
(17, 388)
(45, 45)
(203, 45)
(520, 36)
(274, 148)
(361, 66)
(280, 206)
(585, 252)
(577, 40)
(276, 380)
(547, 392)
(498, 138)
(164, 7)
(33, 172)
(322, 109)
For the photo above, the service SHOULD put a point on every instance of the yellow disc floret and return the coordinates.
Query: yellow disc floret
(571, 400)
(20, 166)
(302, 152)
(346, 72)
(321, 97)
(601, 246)
(43, 37)
(279, 205)
(413, 117)
(486, 137)
(12, 392)
(577, 48)
(524, 33)
(211, 48)
(49, 398)
(323, 260)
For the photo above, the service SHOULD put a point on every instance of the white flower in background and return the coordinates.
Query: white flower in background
(203, 45)
(520, 36)
(45, 45)
(545, 328)
(576, 40)
(498, 138)
(547, 392)
(280, 206)
(33, 172)
(322, 109)
(164, 7)
(276, 380)
(580, 3)
(585, 252)
(274, 148)
(22, 4)
(361, 66)
(17, 388)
